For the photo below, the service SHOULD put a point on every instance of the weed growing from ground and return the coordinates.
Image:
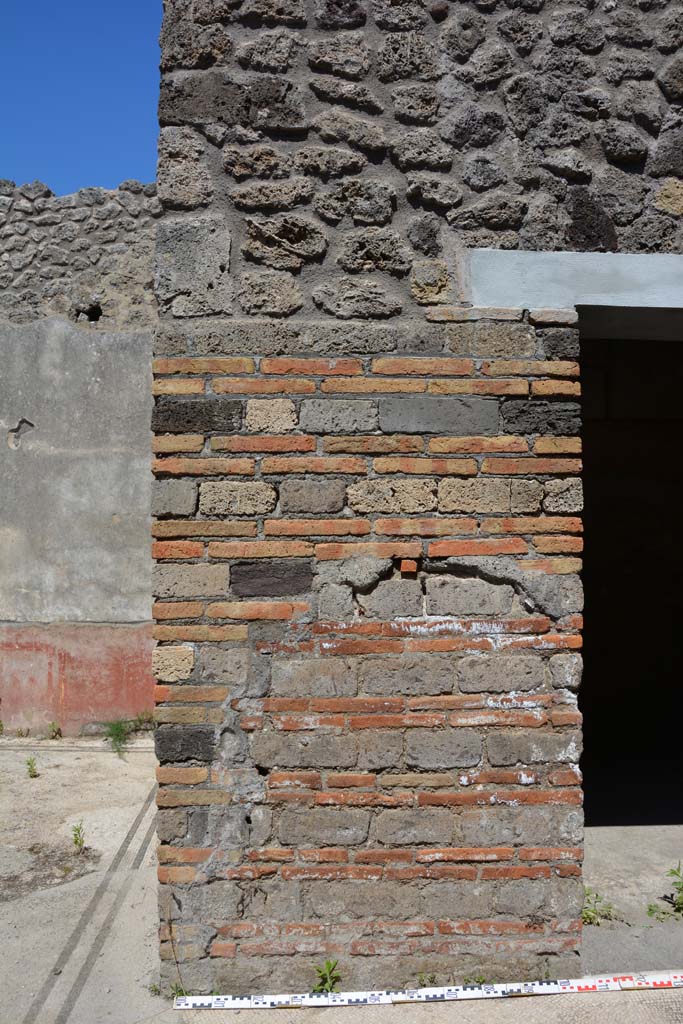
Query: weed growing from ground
(154, 989)
(118, 734)
(425, 980)
(143, 720)
(177, 991)
(78, 837)
(478, 979)
(54, 731)
(2, 727)
(328, 977)
(674, 900)
(31, 768)
(596, 909)
(22, 733)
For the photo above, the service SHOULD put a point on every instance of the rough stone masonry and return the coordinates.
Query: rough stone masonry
(368, 535)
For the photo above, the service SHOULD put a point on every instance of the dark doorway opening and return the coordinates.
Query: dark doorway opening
(632, 689)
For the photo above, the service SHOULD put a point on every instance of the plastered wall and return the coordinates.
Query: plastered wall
(76, 314)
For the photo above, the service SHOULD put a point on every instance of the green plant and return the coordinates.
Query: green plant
(78, 837)
(425, 980)
(31, 768)
(143, 720)
(2, 727)
(154, 989)
(328, 977)
(676, 897)
(596, 909)
(177, 991)
(660, 914)
(54, 731)
(478, 979)
(673, 899)
(22, 733)
(118, 733)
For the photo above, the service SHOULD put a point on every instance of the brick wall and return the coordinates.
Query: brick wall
(368, 614)
(367, 531)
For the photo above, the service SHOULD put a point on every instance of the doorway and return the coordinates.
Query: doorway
(632, 689)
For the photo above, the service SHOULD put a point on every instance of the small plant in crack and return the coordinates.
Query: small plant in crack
(674, 900)
(425, 980)
(177, 990)
(54, 731)
(78, 837)
(478, 979)
(118, 733)
(33, 772)
(596, 909)
(328, 977)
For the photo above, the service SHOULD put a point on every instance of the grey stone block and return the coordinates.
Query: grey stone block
(443, 748)
(337, 416)
(447, 595)
(173, 415)
(493, 340)
(521, 897)
(500, 673)
(213, 96)
(339, 901)
(283, 750)
(424, 415)
(528, 826)
(538, 417)
(459, 900)
(313, 496)
(324, 826)
(171, 824)
(525, 495)
(174, 497)
(393, 599)
(563, 495)
(513, 746)
(193, 262)
(413, 826)
(411, 675)
(320, 677)
(335, 602)
(245, 672)
(566, 670)
(196, 580)
(271, 578)
(185, 743)
(379, 749)
(236, 498)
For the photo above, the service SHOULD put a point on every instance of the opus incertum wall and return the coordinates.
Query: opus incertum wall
(368, 542)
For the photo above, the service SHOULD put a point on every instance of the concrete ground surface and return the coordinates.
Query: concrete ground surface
(78, 931)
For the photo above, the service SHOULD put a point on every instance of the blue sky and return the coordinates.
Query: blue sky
(79, 83)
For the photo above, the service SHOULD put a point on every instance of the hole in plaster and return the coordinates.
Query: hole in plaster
(89, 314)
(14, 436)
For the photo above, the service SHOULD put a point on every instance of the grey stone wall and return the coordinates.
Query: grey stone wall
(361, 146)
(87, 256)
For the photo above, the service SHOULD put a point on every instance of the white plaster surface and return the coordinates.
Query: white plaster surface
(562, 280)
(75, 487)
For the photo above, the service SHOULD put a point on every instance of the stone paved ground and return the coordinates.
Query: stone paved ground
(83, 951)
